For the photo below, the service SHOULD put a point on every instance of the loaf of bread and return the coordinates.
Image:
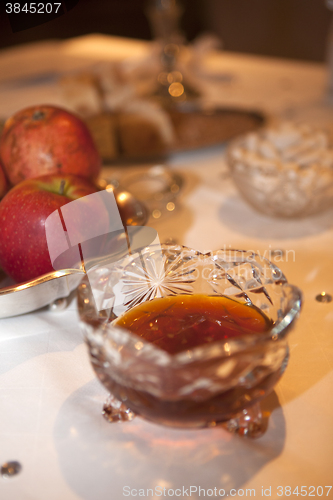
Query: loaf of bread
(120, 122)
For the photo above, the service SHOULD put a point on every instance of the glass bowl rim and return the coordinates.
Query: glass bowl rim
(226, 347)
(275, 165)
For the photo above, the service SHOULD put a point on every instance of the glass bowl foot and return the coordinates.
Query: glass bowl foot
(248, 423)
(116, 411)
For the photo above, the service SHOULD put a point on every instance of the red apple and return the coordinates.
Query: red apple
(44, 140)
(3, 183)
(24, 252)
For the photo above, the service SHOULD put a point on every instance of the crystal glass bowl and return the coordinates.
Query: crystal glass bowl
(158, 187)
(218, 382)
(287, 179)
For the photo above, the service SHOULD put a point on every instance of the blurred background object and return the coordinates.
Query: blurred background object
(281, 28)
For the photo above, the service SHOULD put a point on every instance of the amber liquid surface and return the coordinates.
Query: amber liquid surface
(182, 322)
(179, 323)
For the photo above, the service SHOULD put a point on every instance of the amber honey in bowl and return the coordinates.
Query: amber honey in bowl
(181, 322)
(198, 352)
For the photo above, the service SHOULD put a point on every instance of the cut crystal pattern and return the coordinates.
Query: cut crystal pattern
(154, 273)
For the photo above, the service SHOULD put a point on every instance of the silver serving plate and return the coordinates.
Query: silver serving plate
(37, 293)
(22, 298)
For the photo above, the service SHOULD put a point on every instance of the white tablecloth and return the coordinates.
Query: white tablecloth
(50, 400)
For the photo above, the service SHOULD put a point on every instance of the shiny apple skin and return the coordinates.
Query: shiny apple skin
(43, 140)
(24, 252)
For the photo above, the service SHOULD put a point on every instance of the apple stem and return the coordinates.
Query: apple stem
(62, 187)
(38, 115)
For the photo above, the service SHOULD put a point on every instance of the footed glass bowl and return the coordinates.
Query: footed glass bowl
(218, 382)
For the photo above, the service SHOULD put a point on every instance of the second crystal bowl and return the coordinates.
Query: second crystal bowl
(284, 172)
